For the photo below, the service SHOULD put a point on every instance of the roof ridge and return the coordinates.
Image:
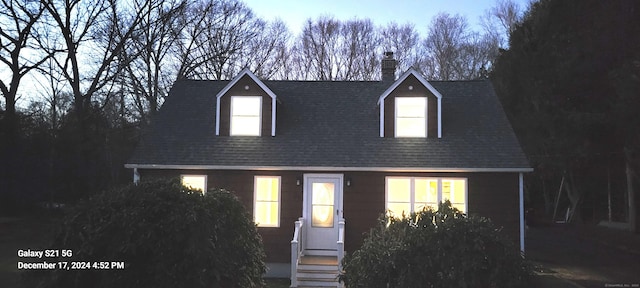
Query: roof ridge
(331, 81)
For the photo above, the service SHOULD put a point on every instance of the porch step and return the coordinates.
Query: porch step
(318, 271)
(319, 260)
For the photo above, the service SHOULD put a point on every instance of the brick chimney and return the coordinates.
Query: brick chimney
(388, 67)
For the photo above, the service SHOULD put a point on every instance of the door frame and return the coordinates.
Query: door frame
(305, 202)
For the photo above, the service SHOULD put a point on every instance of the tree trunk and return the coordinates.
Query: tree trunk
(575, 197)
(555, 210)
(547, 198)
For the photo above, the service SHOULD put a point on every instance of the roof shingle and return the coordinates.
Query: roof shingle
(332, 124)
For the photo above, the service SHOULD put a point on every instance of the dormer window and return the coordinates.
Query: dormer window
(411, 117)
(245, 115)
(243, 107)
(411, 107)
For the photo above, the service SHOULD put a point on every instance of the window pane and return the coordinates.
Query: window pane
(245, 106)
(410, 118)
(245, 125)
(458, 187)
(196, 182)
(267, 195)
(411, 107)
(446, 190)
(322, 193)
(454, 191)
(322, 199)
(322, 216)
(410, 127)
(426, 191)
(267, 189)
(399, 190)
(267, 214)
(397, 209)
(245, 115)
(425, 194)
(419, 206)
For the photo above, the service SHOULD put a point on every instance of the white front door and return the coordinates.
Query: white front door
(322, 210)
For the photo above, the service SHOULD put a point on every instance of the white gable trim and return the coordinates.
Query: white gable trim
(382, 119)
(397, 83)
(439, 117)
(273, 116)
(261, 84)
(521, 202)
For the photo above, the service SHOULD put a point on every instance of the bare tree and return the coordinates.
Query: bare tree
(329, 49)
(358, 46)
(501, 19)
(453, 52)
(267, 54)
(404, 42)
(447, 34)
(476, 56)
(55, 100)
(317, 49)
(18, 51)
(215, 33)
(99, 30)
(147, 74)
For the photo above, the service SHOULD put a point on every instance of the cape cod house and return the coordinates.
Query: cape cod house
(317, 162)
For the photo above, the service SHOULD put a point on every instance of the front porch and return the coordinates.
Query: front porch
(315, 268)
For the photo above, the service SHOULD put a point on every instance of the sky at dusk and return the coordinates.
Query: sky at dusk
(418, 12)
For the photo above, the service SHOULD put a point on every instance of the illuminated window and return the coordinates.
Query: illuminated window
(196, 182)
(245, 115)
(267, 201)
(455, 190)
(399, 196)
(322, 200)
(425, 194)
(411, 117)
(410, 194)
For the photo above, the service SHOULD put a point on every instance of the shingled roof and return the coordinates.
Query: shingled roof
(332, 125)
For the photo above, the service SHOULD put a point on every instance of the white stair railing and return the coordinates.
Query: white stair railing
(296, 251)
(340, 243)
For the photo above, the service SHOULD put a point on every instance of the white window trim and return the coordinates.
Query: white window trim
(196, 175)
(426, 118)
(255, 200)
(259, 116)
(439, 192)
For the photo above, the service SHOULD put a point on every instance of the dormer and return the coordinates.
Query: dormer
(411, 107)
(246, 107)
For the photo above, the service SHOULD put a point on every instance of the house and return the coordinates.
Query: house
(317, 162)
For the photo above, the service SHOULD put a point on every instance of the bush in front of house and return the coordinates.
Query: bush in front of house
(443, 248)
(166, 234)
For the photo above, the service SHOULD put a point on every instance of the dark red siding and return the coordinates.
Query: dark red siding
(492, 195)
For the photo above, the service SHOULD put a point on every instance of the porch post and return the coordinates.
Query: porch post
(521, 190)
(136, 176)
